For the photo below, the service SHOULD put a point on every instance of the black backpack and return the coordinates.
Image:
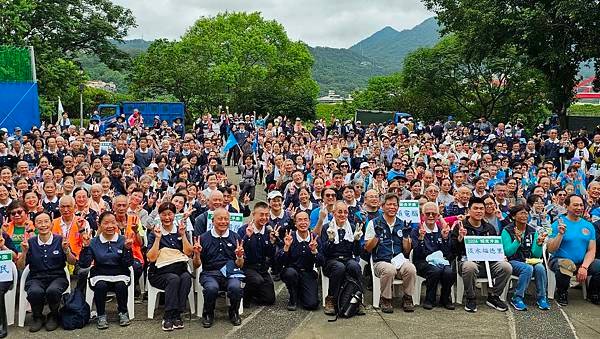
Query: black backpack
(349, 298)
(75, 312)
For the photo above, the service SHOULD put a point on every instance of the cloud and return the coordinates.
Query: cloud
(316, 22)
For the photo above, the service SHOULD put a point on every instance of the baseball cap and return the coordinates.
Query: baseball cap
(274, 194)
(567, 267)
(576, 159)
(364, 165)
(17, 129)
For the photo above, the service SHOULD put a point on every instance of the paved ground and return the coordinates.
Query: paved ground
(277, 322)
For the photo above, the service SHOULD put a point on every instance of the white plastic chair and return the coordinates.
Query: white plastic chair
(11, 295)
(200, 296)
(23, 303)
(89, 294)
(377, 285)
(153, 296)
(552, 277)
(419, 285)
(460, 286)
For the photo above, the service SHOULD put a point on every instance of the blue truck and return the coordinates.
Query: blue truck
(169, 111)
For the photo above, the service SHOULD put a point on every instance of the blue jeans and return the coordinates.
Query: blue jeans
(525, 272)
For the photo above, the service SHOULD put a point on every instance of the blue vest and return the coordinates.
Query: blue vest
(390, 240)
(216, 252)
(46, 261)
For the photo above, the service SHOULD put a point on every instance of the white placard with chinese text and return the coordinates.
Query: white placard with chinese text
(484, 248)
(409, 211)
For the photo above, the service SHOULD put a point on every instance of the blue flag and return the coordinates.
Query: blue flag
(255, 143)
(231, 142)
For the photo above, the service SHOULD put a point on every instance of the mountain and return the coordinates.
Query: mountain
(388, 47)
(340, 69)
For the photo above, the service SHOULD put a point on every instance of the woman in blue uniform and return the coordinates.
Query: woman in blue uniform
(168, 252)
(111, 254)
(46, 254)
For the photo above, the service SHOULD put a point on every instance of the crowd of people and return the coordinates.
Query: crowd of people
(157, 201)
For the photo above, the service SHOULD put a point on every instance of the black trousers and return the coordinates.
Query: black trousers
(337, 270)
(176, 287)
(45, 290)
(212, 282)
(101, 289)
(259, 287)
(138, 270)
(303, 285)
(435, 275)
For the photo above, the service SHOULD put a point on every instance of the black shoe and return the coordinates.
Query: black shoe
(291, 306)
(51, 322)
(595, 299)
(471, 305)
(37, 324)
(167, 325)
(494, 302)
(178, 324)
(562, 298)
(449, 306)
(427, 305)
(207, 319)
(234, 317)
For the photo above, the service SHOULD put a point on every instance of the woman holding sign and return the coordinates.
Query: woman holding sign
(523, 248)
(168, 252)
(45, 254)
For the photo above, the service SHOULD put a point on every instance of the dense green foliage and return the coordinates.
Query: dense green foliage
(234, 59)
(553, 36)
(586, 110)
(59, 31)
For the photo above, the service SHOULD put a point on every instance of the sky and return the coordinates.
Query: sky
(339, 24)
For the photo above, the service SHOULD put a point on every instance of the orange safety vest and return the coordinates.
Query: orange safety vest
(74, 236)
(9, 228)
(136, 247)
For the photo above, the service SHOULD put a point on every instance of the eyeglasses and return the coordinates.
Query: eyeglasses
(330, 195)
(430, 213)
(16, 213)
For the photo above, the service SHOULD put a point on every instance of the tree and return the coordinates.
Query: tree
(59, 30)
(553, 36)
(234, 59)
(497, 86)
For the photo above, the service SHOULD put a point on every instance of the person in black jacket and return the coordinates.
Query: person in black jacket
(469, 270)
(298, 258)
(433, 236)
(340, 243)
(46, 254)
(259, 246)
(111, 255)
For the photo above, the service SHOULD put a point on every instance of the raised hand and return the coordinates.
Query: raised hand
(157, 232)
(86, 238)
(129, 240)
(562, 228)
(65, 244)
(422, 231)
(273, 234)
(250, 229)
(181, 227)
(287, 240)
(246, 200)
(188, 212)
(542, 238)
(462, 231)
(24, 243)
(322, 211)
(445, 231)
(239, 249)
(313, 243)
(358, 233)
(197, 245)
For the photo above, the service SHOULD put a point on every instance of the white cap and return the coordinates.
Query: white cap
(364, 165)
(274, 194)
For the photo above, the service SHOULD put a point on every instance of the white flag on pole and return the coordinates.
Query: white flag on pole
(61, 110)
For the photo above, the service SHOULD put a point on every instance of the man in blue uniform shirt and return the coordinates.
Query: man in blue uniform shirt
(221, 257)
(573, 248)
(298, 258)
(259, 245)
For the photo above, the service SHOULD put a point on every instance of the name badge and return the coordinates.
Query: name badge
(119, 251)
(229, 244)
(55, 252)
